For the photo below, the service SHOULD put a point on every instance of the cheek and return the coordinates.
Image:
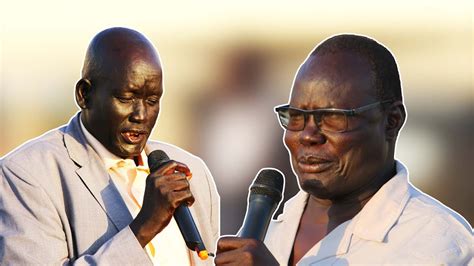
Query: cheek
(119, 112)
(115, 116)
(291, 141)
(342, 146)
(118, 109)
(152, 116)
(355, 151)
(154, 112)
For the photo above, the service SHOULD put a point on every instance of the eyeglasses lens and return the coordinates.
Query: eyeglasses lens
(296, 120)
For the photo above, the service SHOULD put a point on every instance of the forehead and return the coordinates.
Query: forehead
(135, 74)
(339, 80)
(142, 69)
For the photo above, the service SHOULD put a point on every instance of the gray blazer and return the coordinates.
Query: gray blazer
(58, 204)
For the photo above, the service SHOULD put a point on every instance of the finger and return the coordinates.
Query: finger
(231, 257)
(167, 168)
(181, 167)
(226, 243)
(177, 198)
(157, 181)
(164, 179)
(171, 166)
(172, 185)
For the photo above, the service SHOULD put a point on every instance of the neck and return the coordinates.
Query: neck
(329, 212)
(340, 209)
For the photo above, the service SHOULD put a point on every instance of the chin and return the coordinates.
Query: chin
(129, 152)
(316, 188)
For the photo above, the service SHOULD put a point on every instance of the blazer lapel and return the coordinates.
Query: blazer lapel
(94, 176)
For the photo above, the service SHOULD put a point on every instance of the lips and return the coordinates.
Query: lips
(132, 136)
(313, 164)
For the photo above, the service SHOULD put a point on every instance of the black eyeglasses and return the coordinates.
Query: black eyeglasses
(327, 119)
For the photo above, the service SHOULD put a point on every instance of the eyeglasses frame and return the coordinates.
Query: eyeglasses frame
(346, 112)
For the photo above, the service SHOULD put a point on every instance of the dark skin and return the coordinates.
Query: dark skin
(340, 171)
(242, 251)
(119, 95)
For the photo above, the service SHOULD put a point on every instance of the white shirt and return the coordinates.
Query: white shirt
(169, 246)
(398, 225)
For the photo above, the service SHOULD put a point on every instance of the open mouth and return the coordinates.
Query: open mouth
(133, 136)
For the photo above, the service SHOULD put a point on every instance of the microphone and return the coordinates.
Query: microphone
(264, 198)
(182, 215)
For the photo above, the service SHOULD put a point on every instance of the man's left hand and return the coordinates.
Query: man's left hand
(243, 251)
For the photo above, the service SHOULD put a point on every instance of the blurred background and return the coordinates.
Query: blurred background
(227, 64)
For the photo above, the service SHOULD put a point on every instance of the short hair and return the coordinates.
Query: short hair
(386, 76)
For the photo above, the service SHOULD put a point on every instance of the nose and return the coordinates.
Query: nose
(139, 112)
(311, 134)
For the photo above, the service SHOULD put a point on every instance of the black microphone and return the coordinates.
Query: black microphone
(182, 215)
(264, 198)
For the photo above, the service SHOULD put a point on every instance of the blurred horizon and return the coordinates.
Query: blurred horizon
(224, 62)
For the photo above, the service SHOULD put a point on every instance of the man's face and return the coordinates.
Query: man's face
(336, 165)
(124, 106)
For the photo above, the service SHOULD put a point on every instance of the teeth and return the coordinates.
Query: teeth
(133, 134)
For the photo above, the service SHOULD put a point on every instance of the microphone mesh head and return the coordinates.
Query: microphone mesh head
(156, 159)
(268, 182)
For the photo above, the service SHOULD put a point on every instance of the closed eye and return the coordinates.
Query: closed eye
(152, 100)
(124, 99)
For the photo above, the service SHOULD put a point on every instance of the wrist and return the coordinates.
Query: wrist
(143, 232)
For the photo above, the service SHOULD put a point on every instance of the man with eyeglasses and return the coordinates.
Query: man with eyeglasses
(356, 205)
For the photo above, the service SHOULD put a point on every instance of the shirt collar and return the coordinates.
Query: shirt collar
(294, 207)
(109, 159)
(378, 215)
(382, 211)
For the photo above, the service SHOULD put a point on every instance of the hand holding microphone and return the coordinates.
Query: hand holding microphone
(248, 249)
(167, 193)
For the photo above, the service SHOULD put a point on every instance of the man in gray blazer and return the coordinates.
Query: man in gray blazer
(67, 196)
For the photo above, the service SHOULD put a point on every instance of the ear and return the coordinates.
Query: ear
(83, 93)
(396, 116)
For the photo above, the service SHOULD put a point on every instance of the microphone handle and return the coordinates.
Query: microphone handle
(188, 228)
(258, 217)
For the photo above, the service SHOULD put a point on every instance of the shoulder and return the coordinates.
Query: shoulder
(37, 152)
(433, 229)
(49, 142)
(430, 209)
